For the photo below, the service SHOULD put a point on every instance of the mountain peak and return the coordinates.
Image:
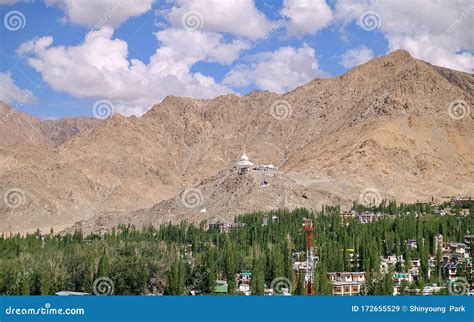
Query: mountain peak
(402, 53)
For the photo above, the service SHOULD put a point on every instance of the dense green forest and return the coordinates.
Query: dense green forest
(174, 259)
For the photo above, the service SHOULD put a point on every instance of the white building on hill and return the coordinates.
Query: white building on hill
(244, 165)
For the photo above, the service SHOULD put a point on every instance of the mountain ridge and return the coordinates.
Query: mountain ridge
(383, 125)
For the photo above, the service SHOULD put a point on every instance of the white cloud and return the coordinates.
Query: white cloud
(439, 32)
(10, 92)
(192, 46)
(238, 17)
(354, 57)
(98, 13)
(99, 68)
(278, 71)
(306, 16)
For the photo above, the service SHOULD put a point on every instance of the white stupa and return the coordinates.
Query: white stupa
(244, 161)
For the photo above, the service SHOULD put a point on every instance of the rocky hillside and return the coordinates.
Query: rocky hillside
(395, 126)
(17, 128)
(59, 131)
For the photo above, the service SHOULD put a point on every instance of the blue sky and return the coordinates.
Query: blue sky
(140, 51)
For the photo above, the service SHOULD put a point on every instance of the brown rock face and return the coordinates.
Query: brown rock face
(59, 131)
(395, 125)
(17, 128)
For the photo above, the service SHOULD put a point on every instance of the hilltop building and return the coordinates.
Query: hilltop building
(244, 165)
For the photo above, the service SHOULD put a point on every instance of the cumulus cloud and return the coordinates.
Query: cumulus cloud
(238, 17)
(10, 92)
(278, 71)
(354, 57)
(436, 31)
(99, 68)
(98, 13)
(306, 16)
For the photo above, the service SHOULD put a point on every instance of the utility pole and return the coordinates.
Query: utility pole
(308, 227)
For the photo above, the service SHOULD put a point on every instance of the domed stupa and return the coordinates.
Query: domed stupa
(244, 163)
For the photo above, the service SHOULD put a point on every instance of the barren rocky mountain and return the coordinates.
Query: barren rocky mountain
(59, 131)
(17, 128)
(395, 126)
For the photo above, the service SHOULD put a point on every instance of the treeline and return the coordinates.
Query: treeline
(178, 259)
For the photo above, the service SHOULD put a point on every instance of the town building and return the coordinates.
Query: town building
(463, 202)
(347, 283)
(469, 240)
(398, 279)
(460, 249)
(221, 226)
(243, 282)
(245, 288)
(450, 270)
(221, 287)
(412, 243)
(368, 217)
(427, 290)
(390, 261)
